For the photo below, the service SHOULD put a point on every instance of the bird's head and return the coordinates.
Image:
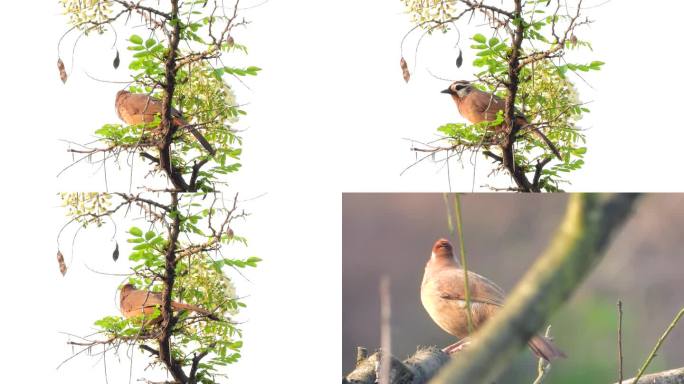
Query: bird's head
(459, 88)
(121, 93)
(126, 289)
(442, 250)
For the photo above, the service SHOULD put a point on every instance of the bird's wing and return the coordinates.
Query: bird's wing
(140, 299)
(140, 104)
(489, 105)
(179, 306)
(482, 290)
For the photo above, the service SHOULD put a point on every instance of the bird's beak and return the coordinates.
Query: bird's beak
(447, 91)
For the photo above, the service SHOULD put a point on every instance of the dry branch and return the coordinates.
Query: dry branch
(418, 368)
(673, 376)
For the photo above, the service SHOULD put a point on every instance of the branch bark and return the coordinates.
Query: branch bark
(579, 243)
(507, 147)
(166, 124)
(673, 376)
(418, 368)
(168, 320)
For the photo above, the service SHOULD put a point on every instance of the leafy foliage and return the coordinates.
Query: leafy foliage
(87, 15)
(86, 207)
(431, 11)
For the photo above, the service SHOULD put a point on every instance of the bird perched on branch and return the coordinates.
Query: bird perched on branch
(443, 296)
(477, 106)
(135, 302)
(137, 108)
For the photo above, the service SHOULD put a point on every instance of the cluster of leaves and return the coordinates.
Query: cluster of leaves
(431, 12)
(87, 15)
(480, 134)
(547, 98)
(86, 207)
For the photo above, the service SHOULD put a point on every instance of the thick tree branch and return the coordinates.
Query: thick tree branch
(166, 124)
(517, 173)
(418, 368)
(168, 320)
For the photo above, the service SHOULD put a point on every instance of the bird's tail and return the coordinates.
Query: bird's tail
(180, 306)
(182, 124)
(202, 140)
(548, 143)
(544, 348)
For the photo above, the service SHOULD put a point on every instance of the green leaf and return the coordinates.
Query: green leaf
(135, 39)
(480, 38)
(596, 64)
(141, 246)
(149, 235)
(149, 43)
(135, 231)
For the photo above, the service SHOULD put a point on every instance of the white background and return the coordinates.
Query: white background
(328, 114)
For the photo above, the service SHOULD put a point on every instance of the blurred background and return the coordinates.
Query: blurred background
(393, 234)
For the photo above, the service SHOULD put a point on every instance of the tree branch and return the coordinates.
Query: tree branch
(168, 320)
(166, 124)
(517, 173)
(673, 376)
(418, 368)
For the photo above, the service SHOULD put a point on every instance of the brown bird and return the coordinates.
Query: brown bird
(443, 295)
(135, 302)
(136, 108)
(477, 106)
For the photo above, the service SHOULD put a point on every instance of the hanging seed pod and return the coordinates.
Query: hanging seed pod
(404, 69)
(62, 265)
(62, 71)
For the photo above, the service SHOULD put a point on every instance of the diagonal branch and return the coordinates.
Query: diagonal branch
(673, 376)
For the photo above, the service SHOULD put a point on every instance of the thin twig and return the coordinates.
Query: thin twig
(619, 305)
(543, 366)
(657, 346)
(385, 331)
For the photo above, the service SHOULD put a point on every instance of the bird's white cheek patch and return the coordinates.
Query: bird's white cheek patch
(433, 256)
